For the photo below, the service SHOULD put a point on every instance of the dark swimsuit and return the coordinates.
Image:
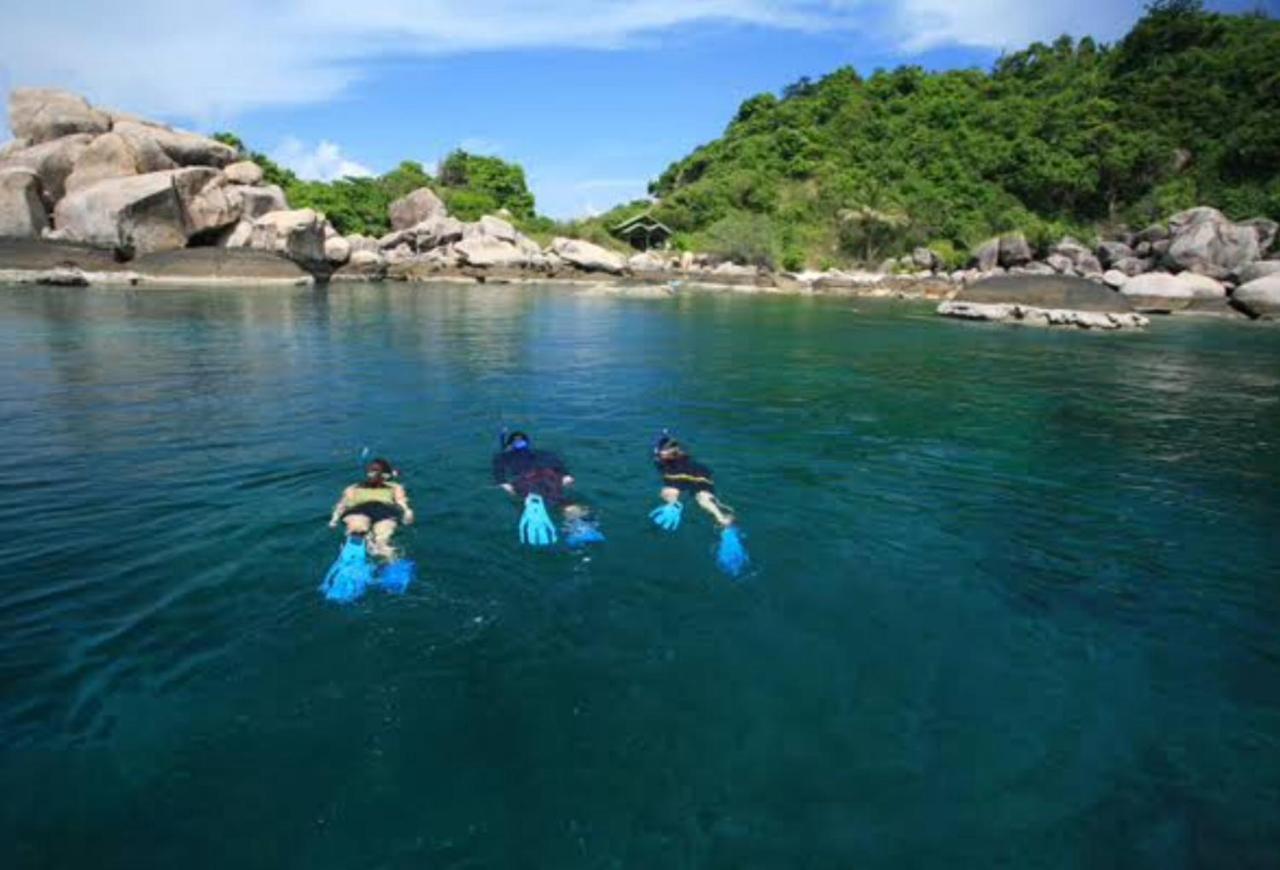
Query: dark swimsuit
(376, 511)
(537, 472)
(688, 476)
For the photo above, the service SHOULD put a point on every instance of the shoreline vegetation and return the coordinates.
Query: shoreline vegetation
(1105, 181)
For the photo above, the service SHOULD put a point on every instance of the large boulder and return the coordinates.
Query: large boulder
(1014, 250)
(1204, 241)
(647, 262)
(364, 265)
(1259, 298)
(1109, 253)
(415, 207)
(155, 143)
(1260, 269)
(588, 257)
(138, 214)
(987, 255)
(107, 156)
(361, 243)
(337, 250)
(244, 172)
(215, 206)
(925, 258)
(52, 161)
(496, 228)
(1159, 292)
(44, 114)
(22, 211)
(1131, 266)
(489, 252)
(257, 201)
(298, 234)
(1059, 292)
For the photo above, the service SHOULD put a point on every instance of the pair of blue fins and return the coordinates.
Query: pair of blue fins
(354, 572)
(536, 529)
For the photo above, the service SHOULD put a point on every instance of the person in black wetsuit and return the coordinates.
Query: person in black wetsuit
(682, 475)
(521, 470)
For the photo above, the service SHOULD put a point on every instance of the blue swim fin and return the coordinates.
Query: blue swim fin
(731, 555)
(396, 576)
(536, 528)
(350, 574)
(580, 532)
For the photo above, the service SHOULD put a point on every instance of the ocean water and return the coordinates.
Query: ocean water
(1015, 595)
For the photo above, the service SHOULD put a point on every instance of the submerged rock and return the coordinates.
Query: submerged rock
(1035, 316)
(1044, 291)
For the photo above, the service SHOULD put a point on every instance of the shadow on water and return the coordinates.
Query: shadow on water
(1013, 600)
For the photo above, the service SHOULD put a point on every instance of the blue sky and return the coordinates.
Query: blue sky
(593, 97)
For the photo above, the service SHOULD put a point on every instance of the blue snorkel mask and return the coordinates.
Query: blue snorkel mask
(662, 441)
(513, 440)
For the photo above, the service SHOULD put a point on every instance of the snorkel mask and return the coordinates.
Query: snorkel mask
(514, 440)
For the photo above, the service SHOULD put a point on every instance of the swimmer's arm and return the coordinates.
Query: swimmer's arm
(340, 506)
(402, 498)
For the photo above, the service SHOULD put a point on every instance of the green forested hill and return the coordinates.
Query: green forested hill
(1068, 137)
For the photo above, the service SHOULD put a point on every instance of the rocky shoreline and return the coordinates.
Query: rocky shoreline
(90, 196)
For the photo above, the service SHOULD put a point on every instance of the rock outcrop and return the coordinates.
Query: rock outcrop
(1033, 316)
(416, 207)
(1259, 298)
(586, 256)
(1049, 292)
(22, 211)
(139, 214)
(297, 233)
(1204, 241)
(44, 114)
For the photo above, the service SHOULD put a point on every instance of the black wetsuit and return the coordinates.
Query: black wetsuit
(684, 474)
(540, 472)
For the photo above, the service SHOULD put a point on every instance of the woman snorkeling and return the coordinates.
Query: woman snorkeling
(378, 504)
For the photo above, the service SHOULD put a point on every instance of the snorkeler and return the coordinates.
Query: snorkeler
(681, 475)
(378, 504)
(539, 478)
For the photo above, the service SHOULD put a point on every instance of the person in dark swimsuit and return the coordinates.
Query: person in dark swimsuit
(378, 504)
(521, 470)
(682, 475)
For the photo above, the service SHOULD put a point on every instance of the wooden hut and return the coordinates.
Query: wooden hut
(644, 232)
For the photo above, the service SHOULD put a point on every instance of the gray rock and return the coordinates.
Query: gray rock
(139, 214)
(1071, 249)
(108, 156)
(220, 264)
(987, 255)
(237, 236)
(298, 234)
(649, 262)
(1060, 264)
(923, 258)
(257, 201)
(1259, 298)
(1109, 253)
(416, 207)
(1053, 292)
(1265, 230)
(1260, 269)
(63, 276)
(364, 265)
(1036, 316)
(1142, 249)
(22, 211)
(1014, 250)
(337, 250)
(1205, 242)
(156, 143)
(1088, 265)
(44, 114)
(490, 252)
(588, 257)
(1037, 268)
(244, 172)
(52, 161)
(497, 228)
(1158, 292)
(1152, 234)
(216, 205)
(1131, 266)
(362, 243)
(1114, 278)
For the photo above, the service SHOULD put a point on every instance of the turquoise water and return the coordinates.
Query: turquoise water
(1015, 601)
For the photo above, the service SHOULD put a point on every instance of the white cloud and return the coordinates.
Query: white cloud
(324, 162)
(157, 57)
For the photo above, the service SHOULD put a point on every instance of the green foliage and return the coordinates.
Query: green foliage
(488, 180)
(476, 186)
(1058, 138)
(743, 238)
